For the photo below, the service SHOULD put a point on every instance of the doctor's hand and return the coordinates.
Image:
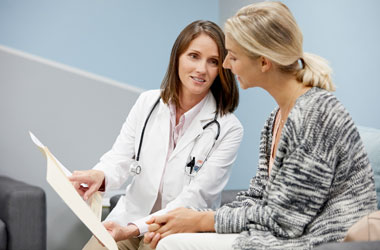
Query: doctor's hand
(152, 239)
(121, 233)
(92, 178)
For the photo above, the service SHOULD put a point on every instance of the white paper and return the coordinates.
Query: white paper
(42, 147)
(57, 178)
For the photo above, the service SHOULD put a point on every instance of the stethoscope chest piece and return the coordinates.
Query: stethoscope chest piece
(134, 168)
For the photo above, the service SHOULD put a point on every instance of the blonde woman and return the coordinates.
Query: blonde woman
(314, 179)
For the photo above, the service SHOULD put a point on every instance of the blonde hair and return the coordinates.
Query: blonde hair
(269, 29)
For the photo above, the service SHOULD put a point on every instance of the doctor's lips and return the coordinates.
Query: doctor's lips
(198, 79)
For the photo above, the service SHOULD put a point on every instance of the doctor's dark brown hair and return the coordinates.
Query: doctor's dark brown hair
(224, 87)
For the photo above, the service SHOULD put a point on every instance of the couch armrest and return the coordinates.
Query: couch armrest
(365, 245)
(3, 236)
(23, 210)
(229, 195)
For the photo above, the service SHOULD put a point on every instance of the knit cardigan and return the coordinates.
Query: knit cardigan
(320, 184)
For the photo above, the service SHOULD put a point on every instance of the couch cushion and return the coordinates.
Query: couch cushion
(371, 140)
(3, 236)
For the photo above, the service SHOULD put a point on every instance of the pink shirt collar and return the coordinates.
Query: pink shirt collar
(184, 121)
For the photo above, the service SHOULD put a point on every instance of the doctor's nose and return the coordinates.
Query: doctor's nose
(201, 67)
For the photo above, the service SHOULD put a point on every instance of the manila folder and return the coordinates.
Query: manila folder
(60, 183)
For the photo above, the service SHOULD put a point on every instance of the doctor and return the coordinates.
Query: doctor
(179, 142)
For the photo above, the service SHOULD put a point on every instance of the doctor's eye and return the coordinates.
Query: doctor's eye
(193, 55)
(214, 62)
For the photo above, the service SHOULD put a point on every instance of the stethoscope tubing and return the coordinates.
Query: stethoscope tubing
(143, 130)
(146, 122)
(217, 124)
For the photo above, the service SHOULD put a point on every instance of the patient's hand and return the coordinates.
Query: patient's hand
(179, 220)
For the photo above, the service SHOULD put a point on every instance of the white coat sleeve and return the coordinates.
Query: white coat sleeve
(115, 163)
(142, 226)
(205, 188)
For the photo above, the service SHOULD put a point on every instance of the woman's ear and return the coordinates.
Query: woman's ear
(265, 64)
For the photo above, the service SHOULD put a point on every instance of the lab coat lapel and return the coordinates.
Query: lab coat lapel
(196, 127)
(163, 117)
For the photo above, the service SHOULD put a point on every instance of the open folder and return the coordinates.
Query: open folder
(88, 212)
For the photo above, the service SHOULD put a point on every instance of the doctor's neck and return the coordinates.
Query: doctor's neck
(187, 102)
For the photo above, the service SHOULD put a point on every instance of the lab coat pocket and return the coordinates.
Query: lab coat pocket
(200, 152)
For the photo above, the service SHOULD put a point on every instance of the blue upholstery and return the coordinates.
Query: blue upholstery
(371, 140)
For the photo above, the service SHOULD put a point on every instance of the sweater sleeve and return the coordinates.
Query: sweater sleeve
(292, 199)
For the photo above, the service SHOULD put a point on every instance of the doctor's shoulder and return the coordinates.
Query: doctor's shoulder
(142, 106)
(229, 122)
(148, 96)
(146, 100)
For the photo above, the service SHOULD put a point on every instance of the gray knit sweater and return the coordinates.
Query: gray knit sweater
(320, 184)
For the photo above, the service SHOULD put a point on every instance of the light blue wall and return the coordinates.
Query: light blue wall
(346, 33)
(130, 41)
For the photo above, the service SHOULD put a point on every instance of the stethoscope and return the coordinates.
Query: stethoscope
(194, 162)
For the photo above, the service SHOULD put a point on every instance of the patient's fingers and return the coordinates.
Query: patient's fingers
(163, 229)
(161, 219)
(151, 220)
(153, 227)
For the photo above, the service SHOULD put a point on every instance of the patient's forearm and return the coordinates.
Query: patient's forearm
(206, 221)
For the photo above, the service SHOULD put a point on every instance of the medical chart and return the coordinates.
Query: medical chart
(88, 212)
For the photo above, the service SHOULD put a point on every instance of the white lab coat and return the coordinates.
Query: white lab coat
(201, 191)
